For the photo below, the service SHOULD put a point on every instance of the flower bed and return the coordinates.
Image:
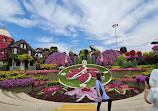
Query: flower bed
(127, 69)
(18, 82)
(39, 72)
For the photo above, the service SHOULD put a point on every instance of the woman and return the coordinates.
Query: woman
(152, 97)
(104, 96)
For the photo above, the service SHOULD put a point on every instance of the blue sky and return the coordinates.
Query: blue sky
(76, 24)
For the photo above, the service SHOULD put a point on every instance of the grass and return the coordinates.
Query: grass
(76, 82)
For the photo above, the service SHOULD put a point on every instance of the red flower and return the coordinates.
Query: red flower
(127, 53)
(132, 52)
(139, 53)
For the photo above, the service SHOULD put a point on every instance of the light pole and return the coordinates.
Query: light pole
(114, 26)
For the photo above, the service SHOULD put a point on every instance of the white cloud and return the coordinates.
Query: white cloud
(45, 39)
(94, 18)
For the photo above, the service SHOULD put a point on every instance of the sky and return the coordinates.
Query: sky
(76, 24)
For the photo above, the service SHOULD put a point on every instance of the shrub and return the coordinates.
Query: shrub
(109, 57)
(59, 59)
(145, 54)
(132, 52)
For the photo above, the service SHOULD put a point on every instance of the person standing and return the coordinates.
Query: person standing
(101, 94)
(152, 96)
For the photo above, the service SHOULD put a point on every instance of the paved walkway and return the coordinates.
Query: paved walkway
(10, 101)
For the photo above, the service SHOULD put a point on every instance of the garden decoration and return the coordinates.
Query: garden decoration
(51, 91)
(82, 76)
(118, 88)
(81, 93)
(59, 59)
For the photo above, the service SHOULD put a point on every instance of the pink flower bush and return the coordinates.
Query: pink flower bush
(155, 48)
(128, 79)
(59, 59)
(39, 72)
(37, 83)
(109, 57)
(127, 69)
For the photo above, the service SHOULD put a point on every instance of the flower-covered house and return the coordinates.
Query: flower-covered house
(5, 41)
(19, 55)
(22, 56)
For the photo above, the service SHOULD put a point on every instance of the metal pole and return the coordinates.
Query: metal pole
(114, 26)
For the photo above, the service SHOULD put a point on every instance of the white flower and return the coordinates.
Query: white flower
(63, 74)
(83, 85)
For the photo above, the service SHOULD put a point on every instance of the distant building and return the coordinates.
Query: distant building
(10, 50)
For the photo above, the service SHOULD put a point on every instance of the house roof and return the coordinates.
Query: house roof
(21, 41)
(3, 31)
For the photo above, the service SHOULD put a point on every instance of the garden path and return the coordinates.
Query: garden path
(23, 102)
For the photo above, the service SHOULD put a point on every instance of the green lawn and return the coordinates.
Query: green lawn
(76, 82)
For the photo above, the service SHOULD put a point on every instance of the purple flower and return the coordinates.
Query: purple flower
(109, 57)
(59, 59)
(17, 82)
(141, 78)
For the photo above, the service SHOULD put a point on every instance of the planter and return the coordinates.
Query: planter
(19, 89)
(37, 88)
(131, 84)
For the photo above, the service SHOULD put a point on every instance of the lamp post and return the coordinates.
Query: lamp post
(114, 26)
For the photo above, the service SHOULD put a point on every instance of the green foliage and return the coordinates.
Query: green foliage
(120, 60)
(71, 52)
(82, 54)
(23, 51)
(25, 57)
(53, 50)
(151, 54)
(97, 51)
(79, 61)
(145, 54)
(41, 59)
(129, 64)
(53, 83)
(89, 61)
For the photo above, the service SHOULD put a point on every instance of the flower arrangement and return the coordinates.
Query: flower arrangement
(155, 48)
(118, 88)
(59, 59)
(17, 82)
(51, 91)
(80, 93)
(129, 79)
(109, 57)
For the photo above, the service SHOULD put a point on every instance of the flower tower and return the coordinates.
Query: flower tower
(5, 41)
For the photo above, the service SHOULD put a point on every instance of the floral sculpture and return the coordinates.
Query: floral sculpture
(59, 59)
(155, 48)
(90, 92)
(109, 57)
(83, 74)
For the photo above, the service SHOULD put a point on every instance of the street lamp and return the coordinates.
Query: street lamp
(114, 26)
